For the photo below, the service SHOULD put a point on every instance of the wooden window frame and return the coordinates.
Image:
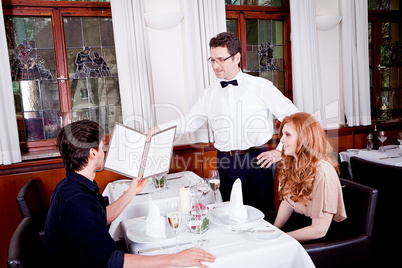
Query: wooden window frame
(56, 10)
(376, 17)
(241, 13)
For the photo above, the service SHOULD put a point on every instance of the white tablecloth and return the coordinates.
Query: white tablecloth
(139, 205)
(390, 151)
(233, 249)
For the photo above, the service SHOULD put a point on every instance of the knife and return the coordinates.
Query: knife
(254, 231)
(389, 157)
(162, 247)
(144, 193)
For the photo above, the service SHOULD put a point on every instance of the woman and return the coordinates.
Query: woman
(308, 180)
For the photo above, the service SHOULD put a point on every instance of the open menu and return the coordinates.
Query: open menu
(130, 155)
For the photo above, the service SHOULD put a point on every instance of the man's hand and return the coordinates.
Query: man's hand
(192, 257)
(151, 132)
(266, 159)
(138, 184)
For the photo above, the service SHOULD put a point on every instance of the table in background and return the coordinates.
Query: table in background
(390, 150)
(233, 249)
(139, 205)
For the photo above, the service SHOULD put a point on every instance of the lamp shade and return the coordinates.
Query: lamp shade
(327, 22)
(162, 20)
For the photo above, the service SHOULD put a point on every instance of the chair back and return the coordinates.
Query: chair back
(31, 204)
(347, 243)
(360, 204)
(388, 180)
(26, 248)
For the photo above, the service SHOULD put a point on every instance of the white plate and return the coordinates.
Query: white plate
(353, 150)
(220, 216)
(137, 232)
(265, 236)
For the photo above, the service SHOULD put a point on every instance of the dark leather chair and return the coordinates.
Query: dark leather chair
(347, 243)
(26, 248)
(31, 204)
(388, 180)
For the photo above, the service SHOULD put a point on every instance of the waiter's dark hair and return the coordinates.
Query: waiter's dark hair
(229, 40)
(75, 140)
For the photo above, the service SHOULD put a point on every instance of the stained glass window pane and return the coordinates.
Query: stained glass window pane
(383, 4)
(33, 70)
(92, 70)
(255, 2)
(231, 26)
(265, 50)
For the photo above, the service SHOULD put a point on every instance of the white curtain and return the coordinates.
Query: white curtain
(305, 58)
(9, 143)
(203, 19)
(355, 62)
(133, 62)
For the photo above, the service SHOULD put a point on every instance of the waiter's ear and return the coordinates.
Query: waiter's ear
(237, 57)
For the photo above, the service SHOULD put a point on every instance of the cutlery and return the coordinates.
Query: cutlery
(253, 231)
(389, 157)
(162, 247)
(144, 193)
(174, 178)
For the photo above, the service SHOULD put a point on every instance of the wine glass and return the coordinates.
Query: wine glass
(400, 139)
(174, 219)
(198, 212)
(214, 181)
(382, 138)
(203, 187)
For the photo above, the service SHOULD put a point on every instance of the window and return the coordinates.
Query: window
(63, 67)
(263, 28)
(385, 48)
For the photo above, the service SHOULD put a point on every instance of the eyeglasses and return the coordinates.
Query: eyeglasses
(219, 61)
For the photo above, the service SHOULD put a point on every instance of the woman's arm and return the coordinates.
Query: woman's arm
(114, 209)
(284, 212)
(317, 229)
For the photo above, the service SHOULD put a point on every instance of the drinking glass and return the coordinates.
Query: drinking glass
(203, 187)
(174, 219)
(382, 138)
(198, 213)
(214, 181)
(400, 139)
(159, 182)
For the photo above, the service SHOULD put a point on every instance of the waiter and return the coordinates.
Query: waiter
(240, 109)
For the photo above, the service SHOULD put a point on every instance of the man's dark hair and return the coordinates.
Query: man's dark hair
(75, 140)
(229, 40)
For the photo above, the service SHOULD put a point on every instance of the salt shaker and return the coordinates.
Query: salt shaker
(369, 142)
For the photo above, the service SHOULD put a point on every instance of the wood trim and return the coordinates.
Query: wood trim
(54, 4)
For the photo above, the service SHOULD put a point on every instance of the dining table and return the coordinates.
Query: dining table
(254, 243)
(391, 156)
(139, 204)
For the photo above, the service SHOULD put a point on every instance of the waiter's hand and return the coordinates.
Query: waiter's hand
(266, 159)
(151, 132)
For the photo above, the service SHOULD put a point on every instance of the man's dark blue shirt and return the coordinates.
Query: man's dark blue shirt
(76, 226)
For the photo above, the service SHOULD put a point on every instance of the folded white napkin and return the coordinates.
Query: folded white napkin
(371, 154)
(155, 223)
(237, 211)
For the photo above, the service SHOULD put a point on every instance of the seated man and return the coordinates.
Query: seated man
(76, 227)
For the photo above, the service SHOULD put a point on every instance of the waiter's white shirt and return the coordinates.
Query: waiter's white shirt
(241, 116)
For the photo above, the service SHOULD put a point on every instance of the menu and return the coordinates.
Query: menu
(130, 155)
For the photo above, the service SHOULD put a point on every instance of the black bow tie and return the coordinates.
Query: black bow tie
(226, 83)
